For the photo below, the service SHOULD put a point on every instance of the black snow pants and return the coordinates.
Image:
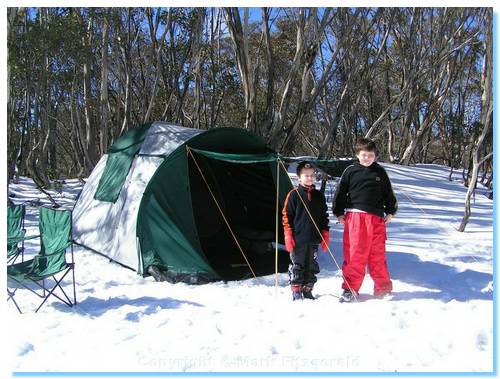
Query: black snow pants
(304, 267)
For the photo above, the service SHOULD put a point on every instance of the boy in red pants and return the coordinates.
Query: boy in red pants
(301, 234)
(364, 203)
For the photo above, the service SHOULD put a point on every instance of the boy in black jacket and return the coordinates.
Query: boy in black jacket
(364, 203)
(301, 235)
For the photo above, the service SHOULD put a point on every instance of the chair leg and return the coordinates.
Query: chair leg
(58, 284)
(72, 265)
(74, 285)
(11, 293)
(51, 292)
(11, 297)
(46, 292)
(13, 259)
(27, 287)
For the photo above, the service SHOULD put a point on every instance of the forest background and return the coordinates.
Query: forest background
(309, 81)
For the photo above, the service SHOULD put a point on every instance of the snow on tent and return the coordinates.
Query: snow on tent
(185, 204)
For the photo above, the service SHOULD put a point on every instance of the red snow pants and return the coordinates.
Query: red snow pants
(364, 244)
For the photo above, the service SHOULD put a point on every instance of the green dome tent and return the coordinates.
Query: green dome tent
(198, 205)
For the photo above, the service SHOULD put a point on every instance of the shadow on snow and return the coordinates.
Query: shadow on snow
(96, 307)
(447, 283)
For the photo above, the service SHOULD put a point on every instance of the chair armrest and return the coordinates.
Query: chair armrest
(40, 256)
(21, 238)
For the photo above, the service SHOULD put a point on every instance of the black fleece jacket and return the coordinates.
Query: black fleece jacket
(297, 219)
(365, 188)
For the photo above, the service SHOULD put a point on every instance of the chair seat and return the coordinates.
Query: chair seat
(21, 237)
(23, 273)
(19, 270)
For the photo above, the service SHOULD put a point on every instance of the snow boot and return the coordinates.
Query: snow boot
(307, 293)
(296, 293)
(383, 296)
(347, 297)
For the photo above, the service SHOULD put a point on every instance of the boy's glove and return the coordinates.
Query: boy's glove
(326, 238)
(289, 241)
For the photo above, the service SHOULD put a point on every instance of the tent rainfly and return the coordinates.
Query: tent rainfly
(185, 204)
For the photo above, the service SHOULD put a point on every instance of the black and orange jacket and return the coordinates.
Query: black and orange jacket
(297, 219)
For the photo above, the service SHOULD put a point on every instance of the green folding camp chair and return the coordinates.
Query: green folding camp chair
(47, 270)
(16, 234)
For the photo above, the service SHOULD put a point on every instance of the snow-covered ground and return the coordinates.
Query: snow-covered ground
(440, 318)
